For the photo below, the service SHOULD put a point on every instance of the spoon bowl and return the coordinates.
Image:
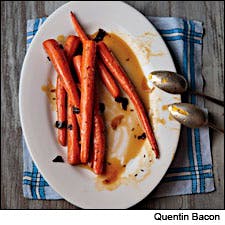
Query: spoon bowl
(170, 82)
(188, 115)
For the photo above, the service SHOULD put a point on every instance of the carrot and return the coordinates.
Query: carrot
(77, 66)
(105, 75)
(87, 92)
(107, 79)
(99, 138)
(121, 77)
(73, 153)
(61, 111)
(78, 27)
(71, 45)
(60, 63)
(102, 71)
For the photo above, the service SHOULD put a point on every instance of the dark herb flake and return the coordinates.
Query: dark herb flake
(123, 101)
(60, 124)
(143, 136)
(100, 35)
(58, 158)
(48, 59)
(70, 127)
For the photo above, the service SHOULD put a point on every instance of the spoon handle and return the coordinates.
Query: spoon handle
(213, 126)
(217, 101)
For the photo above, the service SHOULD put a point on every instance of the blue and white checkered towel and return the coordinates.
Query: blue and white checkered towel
(191, 170)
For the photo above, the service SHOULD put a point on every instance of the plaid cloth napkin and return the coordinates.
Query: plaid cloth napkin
(191, 170)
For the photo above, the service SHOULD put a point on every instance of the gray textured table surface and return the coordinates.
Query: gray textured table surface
(13, 42)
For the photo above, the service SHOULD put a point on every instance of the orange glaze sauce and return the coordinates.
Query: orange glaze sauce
(50, 92)
(129, 129)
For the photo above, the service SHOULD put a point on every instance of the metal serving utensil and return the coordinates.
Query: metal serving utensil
(191, 116)
(174, 83)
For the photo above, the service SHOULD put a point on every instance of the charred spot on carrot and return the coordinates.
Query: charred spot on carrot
(101, 107)
(70, 127)
(61, 46)
(76, 110)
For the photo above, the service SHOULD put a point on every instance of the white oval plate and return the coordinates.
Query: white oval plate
(77, 185)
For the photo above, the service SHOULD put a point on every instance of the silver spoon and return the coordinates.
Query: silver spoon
(190, 116)
(174, 83)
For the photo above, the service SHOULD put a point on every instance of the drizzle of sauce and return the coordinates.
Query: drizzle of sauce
(116, 121)
(165, 107)
(49, 90)
(164, 80)
(179, 110)
(171, 117)
(111, 177)
(122, 147)
(61, 39)
(145, 86)
(132, 67)
(161, 120)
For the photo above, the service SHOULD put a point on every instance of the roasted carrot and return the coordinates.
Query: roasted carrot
(71, 45)
(87, 95)
(77, 66)
(121, 77)
(61, 111)
(73, 153)
(98, 137)
(107, 79)
(105, 75)
(61, 65)
(78, 27)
